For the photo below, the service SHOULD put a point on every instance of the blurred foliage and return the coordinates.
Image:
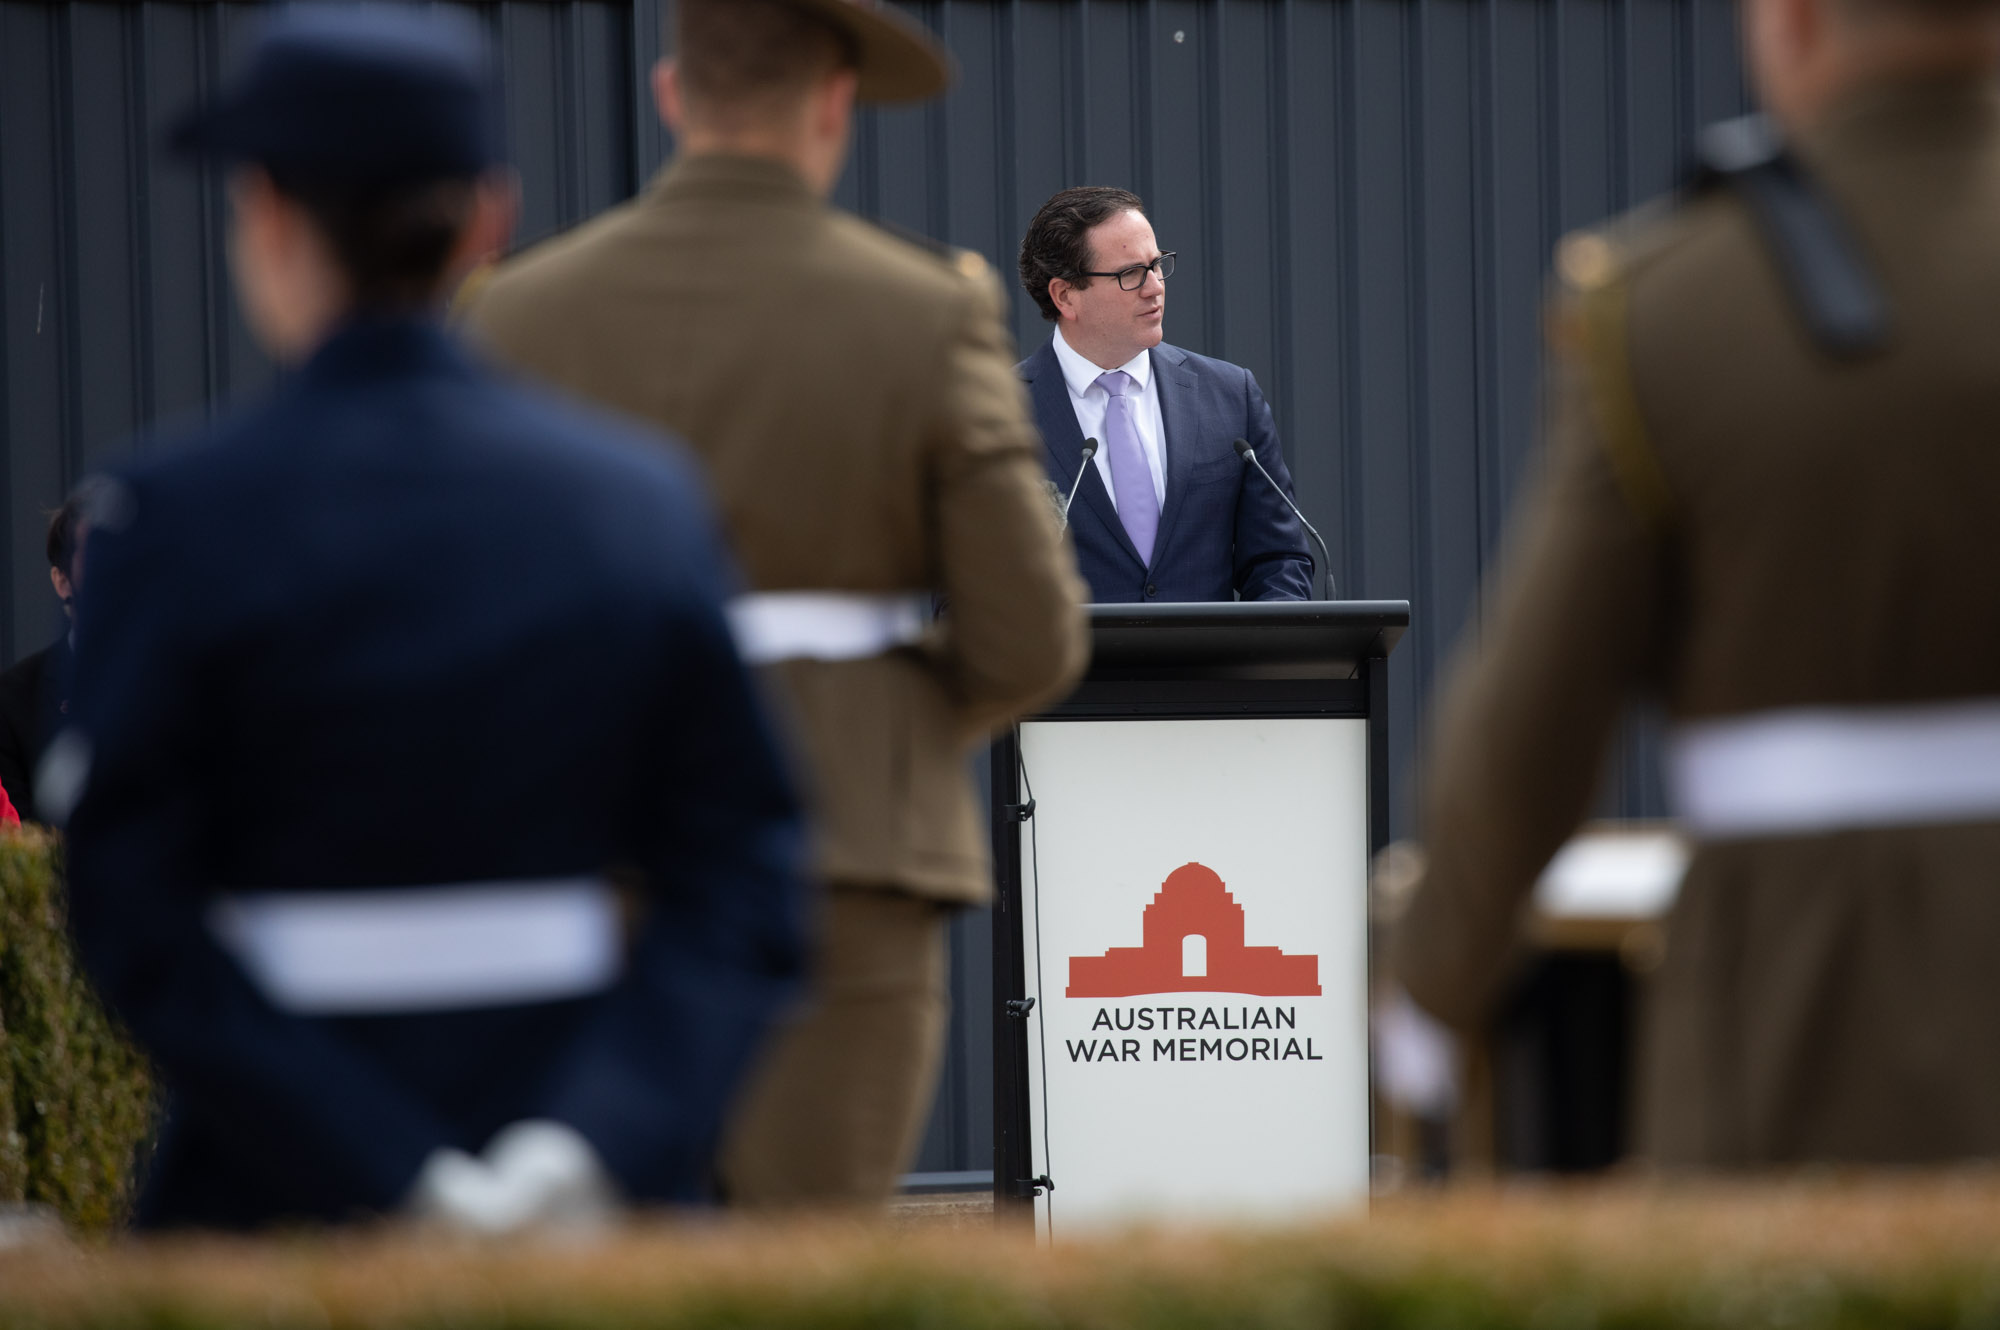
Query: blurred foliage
(75, 1099)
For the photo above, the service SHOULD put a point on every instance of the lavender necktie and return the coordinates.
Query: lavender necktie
(1131, 474)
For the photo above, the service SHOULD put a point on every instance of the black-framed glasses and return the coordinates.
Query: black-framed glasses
(1134, 277)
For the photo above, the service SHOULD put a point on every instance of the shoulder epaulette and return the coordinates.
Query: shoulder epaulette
(1824, 270)
(473, 283)
(1595, 329)
(1586, 260)
(477, 280)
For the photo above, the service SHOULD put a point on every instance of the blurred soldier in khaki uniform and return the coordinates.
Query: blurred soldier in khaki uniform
(853, 397)
(1770, 501)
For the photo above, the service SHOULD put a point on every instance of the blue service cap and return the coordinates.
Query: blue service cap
(357, 95)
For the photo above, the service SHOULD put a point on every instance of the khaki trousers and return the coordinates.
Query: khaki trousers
(835, 1110)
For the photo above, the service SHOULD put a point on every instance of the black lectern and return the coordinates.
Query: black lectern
(1180, 939)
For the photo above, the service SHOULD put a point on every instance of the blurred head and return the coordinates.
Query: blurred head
(763, 78)
(364, 148)
(1805, 55)
(780, 78)
(1095, 229)
(306, 257)
(65, 548)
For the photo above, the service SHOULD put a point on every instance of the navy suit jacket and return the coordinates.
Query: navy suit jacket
(34, 700)
(1223, 533)
(407, 623)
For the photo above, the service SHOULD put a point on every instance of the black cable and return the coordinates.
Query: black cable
(1041, 1025)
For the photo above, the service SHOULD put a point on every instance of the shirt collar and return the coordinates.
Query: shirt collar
(734, 176)
(377, 344)
(1913, 112)
(1081, 375)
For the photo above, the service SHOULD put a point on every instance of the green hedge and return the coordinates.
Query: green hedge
(1799, 1257)
(74, 1098)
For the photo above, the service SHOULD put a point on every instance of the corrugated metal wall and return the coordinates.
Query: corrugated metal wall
(1364, 195)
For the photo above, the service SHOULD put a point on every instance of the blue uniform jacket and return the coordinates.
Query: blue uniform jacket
(408, 623)
(1222, 532)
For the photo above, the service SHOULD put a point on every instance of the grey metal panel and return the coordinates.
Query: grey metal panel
(1452, 303)
(100, 111)
(1313, 300)
(570, 96)
(182, 285)
(1364, 193)
(31, 359)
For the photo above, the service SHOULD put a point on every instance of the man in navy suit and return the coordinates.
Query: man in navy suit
(1167, 509)
(34, 693)
(425, 830)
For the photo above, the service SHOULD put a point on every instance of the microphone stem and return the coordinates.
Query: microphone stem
(1250, 455)
(1089, 451)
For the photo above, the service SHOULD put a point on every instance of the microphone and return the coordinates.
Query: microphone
(1249, 454)
(1089, 451)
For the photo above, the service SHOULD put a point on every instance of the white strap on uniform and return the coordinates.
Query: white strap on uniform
(431, 948)
(771, 626)
(1807, 770)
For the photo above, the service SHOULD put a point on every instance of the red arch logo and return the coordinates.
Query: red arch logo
(1192, 902)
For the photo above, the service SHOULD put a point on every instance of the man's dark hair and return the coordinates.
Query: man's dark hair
(752, 55)
(392, 245)
(1058, 240)
(62, 533)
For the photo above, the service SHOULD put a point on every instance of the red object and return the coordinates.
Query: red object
(1193, 901)
(8, 817)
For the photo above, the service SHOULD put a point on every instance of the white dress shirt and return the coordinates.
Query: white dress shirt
(1090, 402)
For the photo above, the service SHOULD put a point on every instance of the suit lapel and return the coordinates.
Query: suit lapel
(1060, 435)
(1177, 419)
(1063, 440)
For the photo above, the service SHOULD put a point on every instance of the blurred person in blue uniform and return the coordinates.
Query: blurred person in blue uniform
(425, 831)
(34, 692)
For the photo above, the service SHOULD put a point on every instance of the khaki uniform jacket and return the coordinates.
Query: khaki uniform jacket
(1732, 523)
(853, 398)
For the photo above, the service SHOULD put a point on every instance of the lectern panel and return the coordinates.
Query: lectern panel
(1194, 914)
